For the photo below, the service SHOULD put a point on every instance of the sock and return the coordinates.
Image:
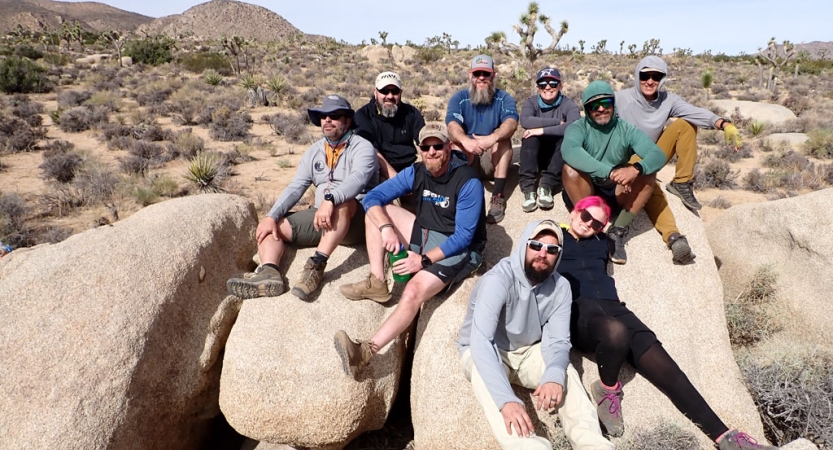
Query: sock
(611, 388)
(625, 218)
(319, 258)
(500, 183)
(274, 266)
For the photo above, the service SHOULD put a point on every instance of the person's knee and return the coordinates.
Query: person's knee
(570, 174)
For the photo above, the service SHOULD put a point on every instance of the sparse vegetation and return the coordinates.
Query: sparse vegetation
(750, 317)
(820, 143)
(22, 76)
(664, 435)
(206, 172)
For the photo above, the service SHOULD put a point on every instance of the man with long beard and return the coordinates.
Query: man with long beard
(444, 239)
(481, 121)
(391, 125)
(517, 330)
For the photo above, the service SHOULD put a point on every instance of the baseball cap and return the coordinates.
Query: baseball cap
(387, 79)
(548, 72)
(652, 69)
(482, 62)
(331, 103)
(547, 225)
(435, 130)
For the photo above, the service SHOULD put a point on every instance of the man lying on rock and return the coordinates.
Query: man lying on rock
(445, 239)
(342, 166)
(518, 323)
(604, 326)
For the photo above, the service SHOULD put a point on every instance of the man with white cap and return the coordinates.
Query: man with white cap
(391, 125)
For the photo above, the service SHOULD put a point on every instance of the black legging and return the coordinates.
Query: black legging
(609, 339)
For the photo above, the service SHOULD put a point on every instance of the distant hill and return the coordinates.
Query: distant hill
(229, 17)
(815, 47)
(92, 16)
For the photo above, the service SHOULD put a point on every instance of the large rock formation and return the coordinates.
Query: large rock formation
(682, 304)
(764, 112)
(101, 333)
(283, 381)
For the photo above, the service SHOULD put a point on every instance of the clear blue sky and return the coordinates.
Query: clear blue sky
(728, 26)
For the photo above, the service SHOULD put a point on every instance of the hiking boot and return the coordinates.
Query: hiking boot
(530, 203)
(355, 356)
(609, 407)
(616, 244)
(308, 281)
(735, 440)
(264, 282)
(497, 209)
(686, 193)
(680, 250)
(545, 198)
(371, 288)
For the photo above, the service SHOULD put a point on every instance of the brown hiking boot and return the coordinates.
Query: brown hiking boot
(371, 288)
(355, 356)
(309, 280)
(497, 209)
(264, 282)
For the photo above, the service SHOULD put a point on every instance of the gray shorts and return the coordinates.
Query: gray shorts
(305, 235)
(450, 270)
(485, 169)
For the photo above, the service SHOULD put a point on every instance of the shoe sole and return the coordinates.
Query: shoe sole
(671, 189)
(682, 256)
(375, 298)
(494, 219)
(246, 289)
(545, 206)
(529, 209)
(342, 353)
(620, 261)
(296, 291)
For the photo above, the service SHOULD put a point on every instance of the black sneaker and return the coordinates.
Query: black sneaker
(616, 244)
(497, 209)
(680, 250)
(686, 193)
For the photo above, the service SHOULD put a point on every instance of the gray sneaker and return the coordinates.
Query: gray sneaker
(497, 209)
(616, 244)
(309, 280)
(686, 193)
(545, 198)
(609, 408)
(680, 250)
(355, 356)
(735, 440)
(264, 282)
(530, 203)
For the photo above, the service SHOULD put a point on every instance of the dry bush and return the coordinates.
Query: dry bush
(715, 174)
(110, 100)
(24, 108)
(153, 133)
(13, 227)
(83, 118)
(142, 155)
(720, 203)
(71, 99)
(17, 136)
(227, 125)
(185, 144)
(757, 181)
(750, 317)
(54, 234)
(291, 126)
(665, 435)
(60, 164)
(820, 143)
(117, 136)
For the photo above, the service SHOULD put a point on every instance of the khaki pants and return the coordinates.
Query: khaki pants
(525, 367)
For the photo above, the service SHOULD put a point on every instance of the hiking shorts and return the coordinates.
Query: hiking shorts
(304, 233)
(450, 270)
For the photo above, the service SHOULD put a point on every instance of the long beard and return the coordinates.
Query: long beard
(534, 275)
(388, 109)
(481, 96)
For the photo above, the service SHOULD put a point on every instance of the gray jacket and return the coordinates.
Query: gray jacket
(651, 117)
(555, 121)
(355, 173)
(505, 313)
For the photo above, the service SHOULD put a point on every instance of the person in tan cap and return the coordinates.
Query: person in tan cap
(444, 239)
(390, 125)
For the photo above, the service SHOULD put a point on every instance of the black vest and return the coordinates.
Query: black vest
(437, 202)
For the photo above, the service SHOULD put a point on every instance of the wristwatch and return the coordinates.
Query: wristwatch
(426, 261)
(328, 197)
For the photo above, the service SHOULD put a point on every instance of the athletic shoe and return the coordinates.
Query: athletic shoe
(530, 203)
(545, 198)
(371, 288)
(309, 280)
(355, 356)
(616, 244)
(686, 193)
(609, 407)
(735, 440)
(680, 250)
(264, 282)
(497, 209)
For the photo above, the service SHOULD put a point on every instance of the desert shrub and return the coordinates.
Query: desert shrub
(164, 186)
(96, 183)
(212, 77)
(664, 435)
(312, 96)
(820, 143)
(793, 392)
(55, 234)
(720, 203)
(151, 51)
(750, 317)
(13, 228)
(291, 126)
(432, 115)
(27, 51)
(206, 172)
(757, 181)
(715, 174)
(186, 145)
(152, 133)
(82, 118)
(69, 98)
(17, 136)
(789, 161)
(199, 62)
(755, 128)
(57, 59)
(227, 125)
(20, 75)
(109, 100)
(27, 110)
(60, 165)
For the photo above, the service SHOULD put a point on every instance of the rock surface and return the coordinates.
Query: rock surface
(682, 304)
(764, 112)
(375, 53)
(799, 444)
(101, 333)
(794, 141)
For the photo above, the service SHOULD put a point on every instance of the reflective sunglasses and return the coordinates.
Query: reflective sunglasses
(656, 76)
(425, 148)
(604, 103)
(587, 218)
(552, 249)
(481, 73)
(552, 83)
(393, 90)
(333, 116)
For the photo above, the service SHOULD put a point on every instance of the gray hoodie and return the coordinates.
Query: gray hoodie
(506, 312)
(355, 173)
(650, 117)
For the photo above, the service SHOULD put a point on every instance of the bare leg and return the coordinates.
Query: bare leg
(271, 250)
(341, 225)
(577, 184)
(422, 286)
(634, 200)
(501, 154)
(403, 222)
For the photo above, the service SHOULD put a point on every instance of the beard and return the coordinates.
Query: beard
(434, 164)
(481, 96)
(603, 120)
(388, 110)
(534, 275)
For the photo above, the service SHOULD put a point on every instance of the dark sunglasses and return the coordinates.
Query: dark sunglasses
(604, 103)
(481, 73)
(552, 249)
(656, 76)
(552, 83)
(425, 148)
(594, 224)
(393, 90)
(333, 116)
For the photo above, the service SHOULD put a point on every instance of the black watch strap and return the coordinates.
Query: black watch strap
(329, 198)
(426, 261)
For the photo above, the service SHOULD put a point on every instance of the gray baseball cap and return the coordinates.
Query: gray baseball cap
(331, 103)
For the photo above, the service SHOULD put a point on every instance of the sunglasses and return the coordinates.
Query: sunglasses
(552, 249)
(428, 147)
(552, 83)
(594, 224)
(604, 103)
(481, 73)
(393, 90)
(656, 76)
(333, 116)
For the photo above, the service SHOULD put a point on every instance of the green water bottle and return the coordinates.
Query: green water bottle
(401, 254)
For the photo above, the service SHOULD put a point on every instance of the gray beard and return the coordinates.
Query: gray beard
(481, 97)
(388, 110)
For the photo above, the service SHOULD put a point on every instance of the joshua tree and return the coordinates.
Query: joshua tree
(114, 39)
(600, 48)
(526, 30)
(775, 58)
(234, 48)
(383, 35)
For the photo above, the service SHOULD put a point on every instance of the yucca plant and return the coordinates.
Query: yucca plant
(277, 84)
(207, 172)
(755, 128)
(212, 77)
(248, 81)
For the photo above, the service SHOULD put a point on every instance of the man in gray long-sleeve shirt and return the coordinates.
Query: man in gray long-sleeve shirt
(342, 166)
(544, 118)
(518, 322)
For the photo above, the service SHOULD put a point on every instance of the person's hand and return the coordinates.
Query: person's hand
(624, 175)
(268, 225)
(549, 395)
(323, 219)
(472, 145)
(732, 135)
(411, 264)
(514, 415)
(485, 142)
(390, 240)
(533, 132)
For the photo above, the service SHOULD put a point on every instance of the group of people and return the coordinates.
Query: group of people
(553, 292)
